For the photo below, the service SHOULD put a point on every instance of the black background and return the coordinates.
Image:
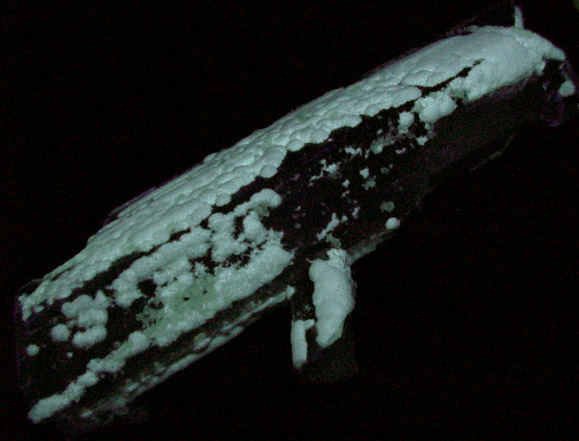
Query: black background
(466, 322)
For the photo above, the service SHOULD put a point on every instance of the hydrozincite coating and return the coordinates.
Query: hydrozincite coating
(280, 216)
